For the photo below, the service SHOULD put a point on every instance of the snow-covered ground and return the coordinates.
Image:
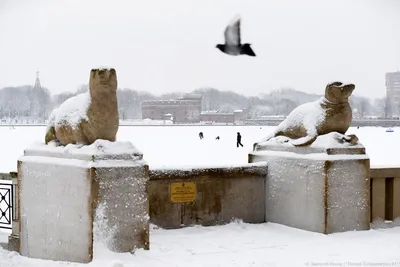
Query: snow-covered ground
(242, 245)
(181, 146)
(236, 244)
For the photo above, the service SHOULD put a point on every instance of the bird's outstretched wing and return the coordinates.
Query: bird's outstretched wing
(232, 32)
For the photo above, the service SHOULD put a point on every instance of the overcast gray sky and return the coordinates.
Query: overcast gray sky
(169, 45)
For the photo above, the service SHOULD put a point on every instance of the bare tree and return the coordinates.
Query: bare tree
(82, 89)
(385, 107)
(363, 106)
(58, 99)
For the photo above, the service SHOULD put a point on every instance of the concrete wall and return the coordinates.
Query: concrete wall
(222, 195)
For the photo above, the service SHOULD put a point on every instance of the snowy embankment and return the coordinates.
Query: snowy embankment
(181, 146)
(236, 244)
(242, 245)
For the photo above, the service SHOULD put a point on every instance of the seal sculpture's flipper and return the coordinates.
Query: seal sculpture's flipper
(311, 136)
(304, 141)
(273, 134)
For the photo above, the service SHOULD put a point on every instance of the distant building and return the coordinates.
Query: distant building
(393, 92)
(216, 117)
(273, 117)
(185, 109)
(240, 115)
(37, 110)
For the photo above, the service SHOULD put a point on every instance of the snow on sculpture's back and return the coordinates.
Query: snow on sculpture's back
(93, 115)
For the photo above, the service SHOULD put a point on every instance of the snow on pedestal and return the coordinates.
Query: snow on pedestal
(71, 195)
(322, 188)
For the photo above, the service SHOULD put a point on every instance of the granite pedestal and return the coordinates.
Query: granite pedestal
(323, 188)
(70, 196)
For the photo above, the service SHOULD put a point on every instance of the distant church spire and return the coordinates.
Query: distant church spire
(37, 82)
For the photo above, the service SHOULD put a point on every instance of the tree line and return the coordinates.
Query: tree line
(25, 101)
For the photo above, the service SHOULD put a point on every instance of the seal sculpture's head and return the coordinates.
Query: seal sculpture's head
(103, 80)
(338, 92)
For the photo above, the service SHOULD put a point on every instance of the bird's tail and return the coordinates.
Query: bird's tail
(246, 49)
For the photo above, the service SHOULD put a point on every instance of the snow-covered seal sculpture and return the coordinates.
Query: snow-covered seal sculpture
(89, 116)
(331, 113)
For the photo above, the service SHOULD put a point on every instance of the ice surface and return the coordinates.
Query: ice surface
(146, 122)
(71, 112)
(242, 245)
(180, 146)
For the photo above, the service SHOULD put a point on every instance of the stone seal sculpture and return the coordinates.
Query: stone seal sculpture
(331, 113)
(86, 117)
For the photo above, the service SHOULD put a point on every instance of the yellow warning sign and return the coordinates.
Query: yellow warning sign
(183, 192)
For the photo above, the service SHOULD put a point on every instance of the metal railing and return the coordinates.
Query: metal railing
(6, 204)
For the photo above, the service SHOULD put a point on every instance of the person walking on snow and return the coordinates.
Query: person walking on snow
(239, 140)
(201, 135)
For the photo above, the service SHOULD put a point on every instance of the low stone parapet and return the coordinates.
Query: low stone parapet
(207, 196)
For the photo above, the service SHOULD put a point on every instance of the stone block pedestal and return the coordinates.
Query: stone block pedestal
(70, 195)
(317, 188)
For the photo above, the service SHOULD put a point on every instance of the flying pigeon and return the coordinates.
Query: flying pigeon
(233, 44)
